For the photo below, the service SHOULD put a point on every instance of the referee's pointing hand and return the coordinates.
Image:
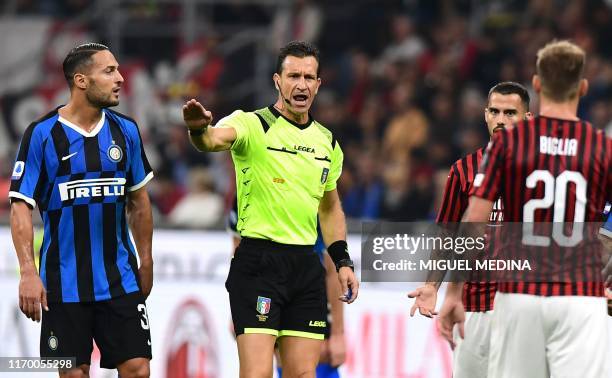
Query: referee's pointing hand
(195, 116)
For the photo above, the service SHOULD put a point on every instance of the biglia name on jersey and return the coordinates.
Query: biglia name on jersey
(558, 146)
(100, 187)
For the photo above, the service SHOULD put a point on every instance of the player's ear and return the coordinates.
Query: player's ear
(528, 116)
(275, 79)
(583, 88)
(80, 81)
(536, 83)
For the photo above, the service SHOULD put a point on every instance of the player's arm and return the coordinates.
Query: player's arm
(203, 137)
(140, 219)
(31, 291)
(452, 312)
(337, 346)
(26, 181)
(450, 212)
(333, 229)
(486, 189)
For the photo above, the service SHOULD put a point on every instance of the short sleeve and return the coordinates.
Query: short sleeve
(335, 169)
(140, 172)
(454, 201)
(27, 177)
(487, 183)
(239, 122)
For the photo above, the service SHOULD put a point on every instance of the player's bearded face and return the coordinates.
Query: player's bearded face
(99, 97)
(104, 81)
(298, 83)
(503, 111)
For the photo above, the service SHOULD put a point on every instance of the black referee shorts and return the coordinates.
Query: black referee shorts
(120, 327)
(277, 289)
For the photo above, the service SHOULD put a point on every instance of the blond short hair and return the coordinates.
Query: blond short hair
(560, 66)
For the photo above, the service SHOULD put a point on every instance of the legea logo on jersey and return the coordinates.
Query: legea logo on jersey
(101, 187)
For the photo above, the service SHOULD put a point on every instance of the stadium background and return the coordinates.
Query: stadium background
(404, 86)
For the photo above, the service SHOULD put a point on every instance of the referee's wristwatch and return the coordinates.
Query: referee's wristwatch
(345, 262)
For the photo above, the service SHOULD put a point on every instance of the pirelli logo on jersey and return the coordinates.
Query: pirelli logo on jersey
(87, 188)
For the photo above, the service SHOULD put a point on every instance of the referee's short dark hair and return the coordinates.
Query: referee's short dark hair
(298, 49)
(510, 87)
(78, 58)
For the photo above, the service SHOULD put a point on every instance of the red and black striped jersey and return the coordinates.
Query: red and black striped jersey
(550, 170)
(477, 295)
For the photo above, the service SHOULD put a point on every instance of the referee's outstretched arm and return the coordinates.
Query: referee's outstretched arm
(203, 137)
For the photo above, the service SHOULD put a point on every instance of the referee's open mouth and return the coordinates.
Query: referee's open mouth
(300, 99)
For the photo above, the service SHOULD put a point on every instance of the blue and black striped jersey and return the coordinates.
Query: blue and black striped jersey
(80, 181)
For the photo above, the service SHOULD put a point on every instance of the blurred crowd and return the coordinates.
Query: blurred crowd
(404, 89)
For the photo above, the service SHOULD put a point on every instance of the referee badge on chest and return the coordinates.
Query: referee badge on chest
(115, 153)
(324, 175)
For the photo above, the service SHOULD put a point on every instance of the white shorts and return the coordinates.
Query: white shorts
(558, 336)
(471, 355)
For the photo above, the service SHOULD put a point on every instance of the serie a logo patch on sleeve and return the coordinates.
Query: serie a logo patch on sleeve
(18, 170)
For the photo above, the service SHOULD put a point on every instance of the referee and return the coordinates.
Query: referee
(287, 166)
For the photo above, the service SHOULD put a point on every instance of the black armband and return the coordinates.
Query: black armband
(197, 132)
(338, 251)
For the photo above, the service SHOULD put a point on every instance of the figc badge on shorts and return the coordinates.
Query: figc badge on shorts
(263, 305)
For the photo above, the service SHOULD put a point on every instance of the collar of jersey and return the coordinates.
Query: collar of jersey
(79, 130)
(300, 126)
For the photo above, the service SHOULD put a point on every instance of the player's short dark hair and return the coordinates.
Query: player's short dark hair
(79, 58)
(298, 49)
(560, 66)
(510, 87)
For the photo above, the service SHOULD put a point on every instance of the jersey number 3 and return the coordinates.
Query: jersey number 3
(144, 322)
(555, 193)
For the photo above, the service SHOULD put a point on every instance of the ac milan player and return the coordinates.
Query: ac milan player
(507, 103)
(555, 167)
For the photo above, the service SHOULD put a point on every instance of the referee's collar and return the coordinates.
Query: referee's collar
(300, 126)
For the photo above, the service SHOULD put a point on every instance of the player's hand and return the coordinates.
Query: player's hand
(195, 116)
(349, 284)
(145, 274)
(425, 300)
(32, 295)
(451, 313)
(336, 349)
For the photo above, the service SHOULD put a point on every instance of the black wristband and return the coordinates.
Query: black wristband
(338, 251)
(197, 132)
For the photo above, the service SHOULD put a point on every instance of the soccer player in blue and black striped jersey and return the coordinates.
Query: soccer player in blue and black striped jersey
(85, 168)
